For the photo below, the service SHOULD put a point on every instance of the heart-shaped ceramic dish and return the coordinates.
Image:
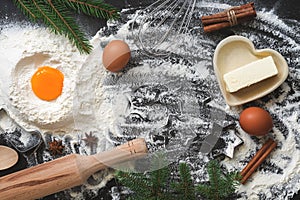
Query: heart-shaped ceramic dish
(237, 51)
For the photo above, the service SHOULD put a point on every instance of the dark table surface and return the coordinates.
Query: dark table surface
(285, 9)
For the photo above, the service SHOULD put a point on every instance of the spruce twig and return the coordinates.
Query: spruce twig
(70, 27)
(137, 183)
(152, 185)
(93, 8)
(28, 9)
(184, 188)
(221, 186)
(159, 177)
(155, 185)
(57, 16)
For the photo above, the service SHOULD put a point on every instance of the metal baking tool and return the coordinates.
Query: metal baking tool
(163, 21)
(24, 142)
(27, 147)
(211, 139)
(217, 118)
(228, 142)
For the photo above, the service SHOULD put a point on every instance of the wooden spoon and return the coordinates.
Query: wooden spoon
(8, 157)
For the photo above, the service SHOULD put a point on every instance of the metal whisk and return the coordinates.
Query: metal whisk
(162, 22)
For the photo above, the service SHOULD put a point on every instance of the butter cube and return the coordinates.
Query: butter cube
(249, 74)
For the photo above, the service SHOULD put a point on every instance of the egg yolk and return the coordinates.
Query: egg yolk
(47, 83)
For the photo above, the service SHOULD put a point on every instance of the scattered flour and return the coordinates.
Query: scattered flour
(26, 49)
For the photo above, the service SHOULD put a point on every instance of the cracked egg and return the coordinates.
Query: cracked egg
(38, 91)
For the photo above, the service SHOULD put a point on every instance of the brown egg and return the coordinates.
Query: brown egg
(256, 121)
(116, 55)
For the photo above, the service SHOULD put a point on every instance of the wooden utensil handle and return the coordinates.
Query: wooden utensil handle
(65, 172)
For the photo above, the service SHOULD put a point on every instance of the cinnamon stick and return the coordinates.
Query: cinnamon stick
(257, 160)
(257, 156)
(236, 9)
(218, 26)
(215, 27)
(230, 17)
(224, 17)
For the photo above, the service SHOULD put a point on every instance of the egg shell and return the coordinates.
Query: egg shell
(256, 121)
(116, 55)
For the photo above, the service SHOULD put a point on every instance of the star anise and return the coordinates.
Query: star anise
(90, 140)
(56, 147)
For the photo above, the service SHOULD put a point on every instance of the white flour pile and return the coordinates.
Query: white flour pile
(26, 49)
(151, 91)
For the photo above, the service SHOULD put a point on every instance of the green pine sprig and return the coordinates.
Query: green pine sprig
(152, 185)
(184, 189)
(92, 8)
(136, 182)
(57, 16)
(158, 185)
(159, 178)
(221, 185)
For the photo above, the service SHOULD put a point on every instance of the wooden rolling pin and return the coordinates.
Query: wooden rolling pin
(66, 172)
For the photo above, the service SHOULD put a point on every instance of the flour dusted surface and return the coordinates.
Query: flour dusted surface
(147, 84)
